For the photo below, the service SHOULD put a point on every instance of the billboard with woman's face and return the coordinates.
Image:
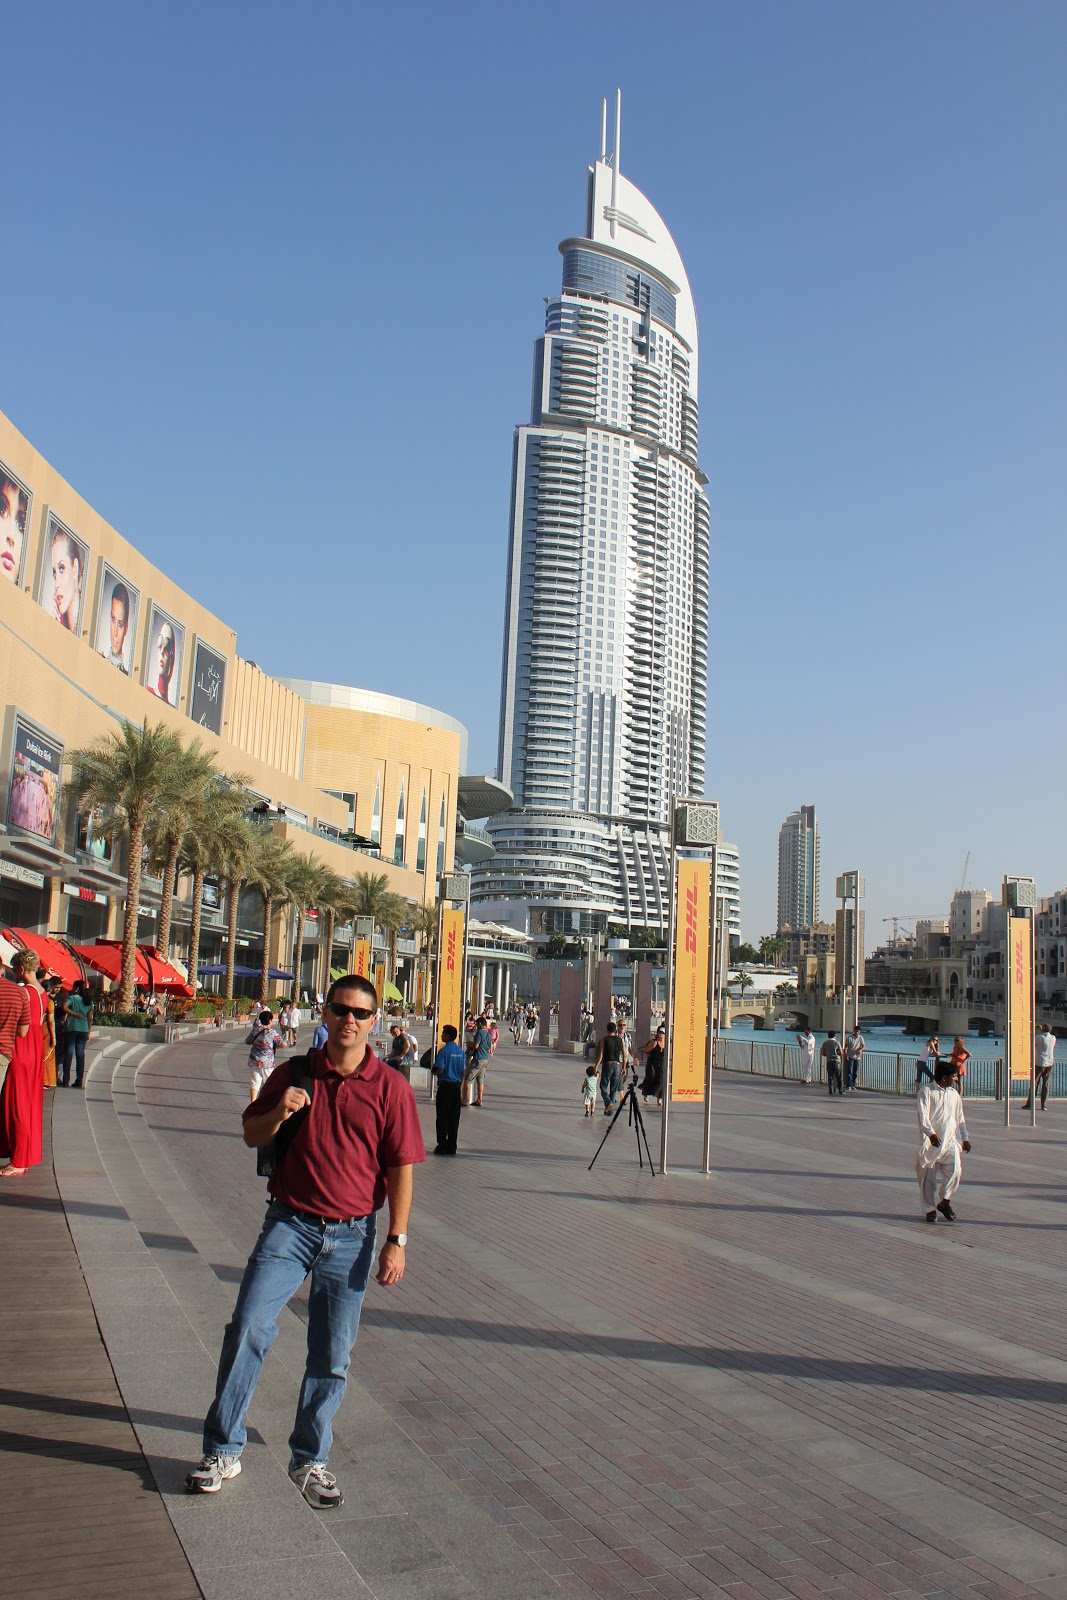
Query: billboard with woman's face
(16, 502)
(166, 652)
(64, 563)
(36, 771)
(209, 687)
(116, 620)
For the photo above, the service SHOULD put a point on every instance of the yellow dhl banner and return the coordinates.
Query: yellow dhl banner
(450, 973)
(1020, 976)
(689, 1024)
(361, 958)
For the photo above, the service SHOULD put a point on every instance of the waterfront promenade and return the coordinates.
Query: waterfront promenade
(774, 1383)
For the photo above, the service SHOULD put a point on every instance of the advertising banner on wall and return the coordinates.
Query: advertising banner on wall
(89, 835)
(1020, 1014)
(116, 620)
(64, 574)
(16, 502)
(450, 973)
(361, 958)
(689, 1021)
(166, 653)
(36, 774)
(209, 687)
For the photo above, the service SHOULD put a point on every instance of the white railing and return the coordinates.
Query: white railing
(881, 1071)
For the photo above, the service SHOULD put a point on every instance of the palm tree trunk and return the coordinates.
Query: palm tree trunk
(327, 962)
(298, 950)
(233, 895)
(194, 928)
(264, 970)
(167, 900)
(129, 921)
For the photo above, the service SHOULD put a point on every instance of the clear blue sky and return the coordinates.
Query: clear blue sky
(275, 277)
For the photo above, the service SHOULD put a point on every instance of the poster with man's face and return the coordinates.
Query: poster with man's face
(16, 502)
(64, 573)
(116, 620)
(166, 652)
(209, 687)
(36, 772)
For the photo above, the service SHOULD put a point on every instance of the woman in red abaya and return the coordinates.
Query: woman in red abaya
(22, 1098)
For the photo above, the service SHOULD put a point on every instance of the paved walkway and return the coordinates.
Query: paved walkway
(776, 1383)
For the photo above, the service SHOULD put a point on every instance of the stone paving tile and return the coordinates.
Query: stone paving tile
(565, 1342)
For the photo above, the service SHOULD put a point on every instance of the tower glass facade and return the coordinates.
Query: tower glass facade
(604, 691)
(798, 870)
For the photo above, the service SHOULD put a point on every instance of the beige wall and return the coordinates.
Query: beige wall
(287, 751)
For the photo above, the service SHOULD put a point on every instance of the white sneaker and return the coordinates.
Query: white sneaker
(209, 1476)
(318, 1486)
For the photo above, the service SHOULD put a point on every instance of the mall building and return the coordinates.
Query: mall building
(92, 635)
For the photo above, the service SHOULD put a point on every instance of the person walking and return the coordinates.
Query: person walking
(353, 1144)
(959, 1059)
(924, 1071)
(609, 1063)
(22, 1097)
(48, 1028)
(481, 1048)
(855, 1045)
(942, 1139)
(1044, 1061)
(531, 1026)
(806, 1041)
(652, 1082)
(264, 1040)
(589, 1082)
(448, 1068)
(77, 1031)
(831, 1054)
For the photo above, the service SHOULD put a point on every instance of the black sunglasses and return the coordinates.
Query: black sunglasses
(360, 1013)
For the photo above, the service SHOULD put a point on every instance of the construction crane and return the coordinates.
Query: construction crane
(910, 917)
(966, 864)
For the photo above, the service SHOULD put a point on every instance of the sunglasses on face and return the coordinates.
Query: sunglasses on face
(358, 1013)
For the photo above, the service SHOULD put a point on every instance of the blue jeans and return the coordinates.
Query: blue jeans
(74, 1047)
(609, 1083)
(852, 1071)
(338, 1257)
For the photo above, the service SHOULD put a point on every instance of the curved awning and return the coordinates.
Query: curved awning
(50, 953)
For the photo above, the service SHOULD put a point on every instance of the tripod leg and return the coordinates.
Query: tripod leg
(611, 1124)
(642, 1135)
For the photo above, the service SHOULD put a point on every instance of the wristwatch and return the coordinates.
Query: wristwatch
(397, 1238)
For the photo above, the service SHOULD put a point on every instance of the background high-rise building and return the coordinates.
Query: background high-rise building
(603, 699)
(798, 870)
(729, 886)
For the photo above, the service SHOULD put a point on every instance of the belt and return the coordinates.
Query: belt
(332, 1222)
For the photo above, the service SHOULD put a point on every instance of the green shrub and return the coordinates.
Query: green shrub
(122, 1019)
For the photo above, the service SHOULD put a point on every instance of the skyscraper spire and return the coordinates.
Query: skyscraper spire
(604, 688)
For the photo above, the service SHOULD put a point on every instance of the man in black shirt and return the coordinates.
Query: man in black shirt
(609, 1060)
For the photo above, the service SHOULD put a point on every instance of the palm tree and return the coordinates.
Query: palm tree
(271, 870)
(745, 980)
(335, 895)
(187, 782)
(374, 898)
(207, 846)
(237, 847)
(424, 920)
(771, 948)
(123, 775)
(304, 890)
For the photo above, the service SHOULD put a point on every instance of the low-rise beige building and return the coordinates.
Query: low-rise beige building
(92, 635)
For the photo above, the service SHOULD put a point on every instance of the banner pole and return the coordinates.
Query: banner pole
(1033, 1022)
(669, 997)
(709, 1049)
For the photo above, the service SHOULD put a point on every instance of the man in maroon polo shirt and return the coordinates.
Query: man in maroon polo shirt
(14, 1021)
(355, 1146)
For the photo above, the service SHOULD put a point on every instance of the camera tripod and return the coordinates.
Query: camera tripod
(637, 1122)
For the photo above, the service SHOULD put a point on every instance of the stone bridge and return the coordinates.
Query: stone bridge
(917, 1014)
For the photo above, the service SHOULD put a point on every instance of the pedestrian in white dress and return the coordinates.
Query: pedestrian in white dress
(942, 1141)
(806, 1041)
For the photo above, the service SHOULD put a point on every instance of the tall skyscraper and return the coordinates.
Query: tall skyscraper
(604, 692)
(798, 870)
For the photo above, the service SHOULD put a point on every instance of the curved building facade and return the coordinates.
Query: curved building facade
(92, 635)
(604, 692)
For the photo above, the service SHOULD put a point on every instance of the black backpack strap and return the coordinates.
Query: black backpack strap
(271, 1157)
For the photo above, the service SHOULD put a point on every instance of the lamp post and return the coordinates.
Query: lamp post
(850, 886)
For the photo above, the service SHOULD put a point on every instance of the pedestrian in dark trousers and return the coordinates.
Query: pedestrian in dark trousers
(831, 1054)
(449, 1066)
(610, 1059)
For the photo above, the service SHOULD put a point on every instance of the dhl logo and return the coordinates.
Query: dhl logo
(691, 920)
(450, 951)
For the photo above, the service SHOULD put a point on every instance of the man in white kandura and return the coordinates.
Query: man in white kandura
(942, 1138)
